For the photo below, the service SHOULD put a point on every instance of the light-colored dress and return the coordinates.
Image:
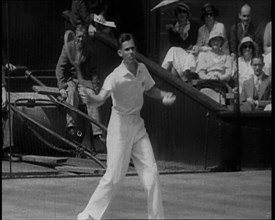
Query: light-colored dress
(245, 71)
(214, 66)
(202, 42)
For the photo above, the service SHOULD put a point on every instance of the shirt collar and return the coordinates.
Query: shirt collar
(125, 71)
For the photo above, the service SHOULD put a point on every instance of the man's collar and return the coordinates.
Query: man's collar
(125, 71)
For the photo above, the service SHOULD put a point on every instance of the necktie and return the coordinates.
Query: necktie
(257, 84)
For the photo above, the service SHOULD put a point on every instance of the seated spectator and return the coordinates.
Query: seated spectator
(83, 13)
(256, 91)
(268, 64)
(209, 14)
(247, 49)
(244, 28)
(215, 64)
(69, 79)
(267, 38)
(5, 122)
(267, 48)
(182, 37)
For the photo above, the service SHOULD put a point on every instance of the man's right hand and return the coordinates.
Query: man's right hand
(91, 30)
(63, 93)
(83, 94)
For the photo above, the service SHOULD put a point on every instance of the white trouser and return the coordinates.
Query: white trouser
(126, 138)
(74, 99)
(180, 59)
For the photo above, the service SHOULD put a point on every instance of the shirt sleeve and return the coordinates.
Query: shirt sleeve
(149, 82)
(108, 83)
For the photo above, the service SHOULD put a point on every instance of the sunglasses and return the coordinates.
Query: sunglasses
(209, 15)
(182, 11)
(245, 46)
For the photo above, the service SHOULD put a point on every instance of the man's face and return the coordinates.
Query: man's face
(257, 64)
(128, 51)
(80, 37)
(245, 15)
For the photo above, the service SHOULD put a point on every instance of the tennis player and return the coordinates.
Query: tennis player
(126, 136)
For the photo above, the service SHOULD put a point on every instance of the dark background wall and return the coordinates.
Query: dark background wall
(35, 31)
(36, 28)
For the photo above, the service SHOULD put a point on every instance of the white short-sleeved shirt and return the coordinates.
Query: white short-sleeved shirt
(126, 89)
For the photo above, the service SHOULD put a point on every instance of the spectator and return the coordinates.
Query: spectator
(5, 125)
(247, 50)
(182, 36)
(267, 38)
(84, 12)
(4, 105)
(267, 48)
(215, 64)
(209, 14)
(69, 79)
(244, 28)
(256, 91)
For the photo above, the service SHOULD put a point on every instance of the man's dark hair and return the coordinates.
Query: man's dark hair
(257, 56)
(124, 37)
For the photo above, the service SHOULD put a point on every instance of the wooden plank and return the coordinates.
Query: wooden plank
(78, 169)
(45, 90)
(44, 159)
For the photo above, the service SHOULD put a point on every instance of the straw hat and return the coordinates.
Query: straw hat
(214, 34)
(209, 9)
(247, 39)
(182, 6)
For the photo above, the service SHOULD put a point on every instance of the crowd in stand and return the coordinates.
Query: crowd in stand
(220, 56)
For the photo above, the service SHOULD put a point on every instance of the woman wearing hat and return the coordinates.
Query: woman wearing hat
(182, 36)
(209, 14)
(247, 49)
(215, 64)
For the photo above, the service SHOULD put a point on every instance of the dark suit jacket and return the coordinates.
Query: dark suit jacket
(65, 70)
(264, 95)
(83, 11)
(251, 31)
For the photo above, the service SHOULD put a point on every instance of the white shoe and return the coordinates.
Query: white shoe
(84, 216)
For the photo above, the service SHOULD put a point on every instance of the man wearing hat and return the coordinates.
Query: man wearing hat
(182, 36)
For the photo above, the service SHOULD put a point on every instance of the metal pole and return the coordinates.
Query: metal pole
(8, 86)
(206, 140)
(237, 97)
